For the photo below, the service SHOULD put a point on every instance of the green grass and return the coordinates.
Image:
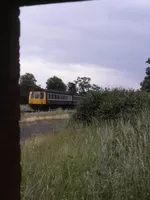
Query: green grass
(105, 161)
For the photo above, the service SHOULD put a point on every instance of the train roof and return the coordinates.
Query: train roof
(57, 91)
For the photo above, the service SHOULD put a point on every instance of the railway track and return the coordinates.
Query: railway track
(36, 111)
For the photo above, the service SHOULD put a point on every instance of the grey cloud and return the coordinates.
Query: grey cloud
(108, 33)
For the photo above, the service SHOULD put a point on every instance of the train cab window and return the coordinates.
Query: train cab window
(41, 95)
(32, 95)
(37, 95)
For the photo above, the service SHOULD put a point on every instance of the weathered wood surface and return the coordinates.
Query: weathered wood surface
(10, 175)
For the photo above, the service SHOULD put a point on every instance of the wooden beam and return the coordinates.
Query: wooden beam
(39, 2)
(10, 170)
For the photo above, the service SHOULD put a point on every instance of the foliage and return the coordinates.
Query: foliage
(145, 84)
(27, 83)
(83, 85)
(111, 104)
(28, 79)
(72, 87)
(95, 87)
(105, 161)
(148, 61)
(55, 83)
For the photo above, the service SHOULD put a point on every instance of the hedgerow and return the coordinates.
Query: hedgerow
(111, 105)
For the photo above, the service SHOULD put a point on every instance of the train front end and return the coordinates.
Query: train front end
(37, 100)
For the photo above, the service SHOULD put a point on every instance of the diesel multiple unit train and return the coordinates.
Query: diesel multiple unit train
(52, 99)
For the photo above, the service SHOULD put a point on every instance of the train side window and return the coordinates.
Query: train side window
(36, 95)
(41, 95)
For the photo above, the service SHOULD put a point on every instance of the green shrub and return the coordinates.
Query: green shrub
(111, 104)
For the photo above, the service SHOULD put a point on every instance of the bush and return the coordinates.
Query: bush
(111, 104)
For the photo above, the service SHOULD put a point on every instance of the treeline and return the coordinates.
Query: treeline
(81, 85)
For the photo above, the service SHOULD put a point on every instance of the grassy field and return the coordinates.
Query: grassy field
(106, 161)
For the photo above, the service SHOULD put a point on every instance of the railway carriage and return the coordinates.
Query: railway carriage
(50, 99)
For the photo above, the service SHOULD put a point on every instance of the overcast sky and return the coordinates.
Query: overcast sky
(107, 40)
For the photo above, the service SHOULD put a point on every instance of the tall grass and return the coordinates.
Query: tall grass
(105, 161)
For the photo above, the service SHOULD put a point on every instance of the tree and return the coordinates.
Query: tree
(148, 61)
(27, 83)
(55, 83)
(83, 84)
(71, 87)
(95, 87)
(145, 84)
(28, 79)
